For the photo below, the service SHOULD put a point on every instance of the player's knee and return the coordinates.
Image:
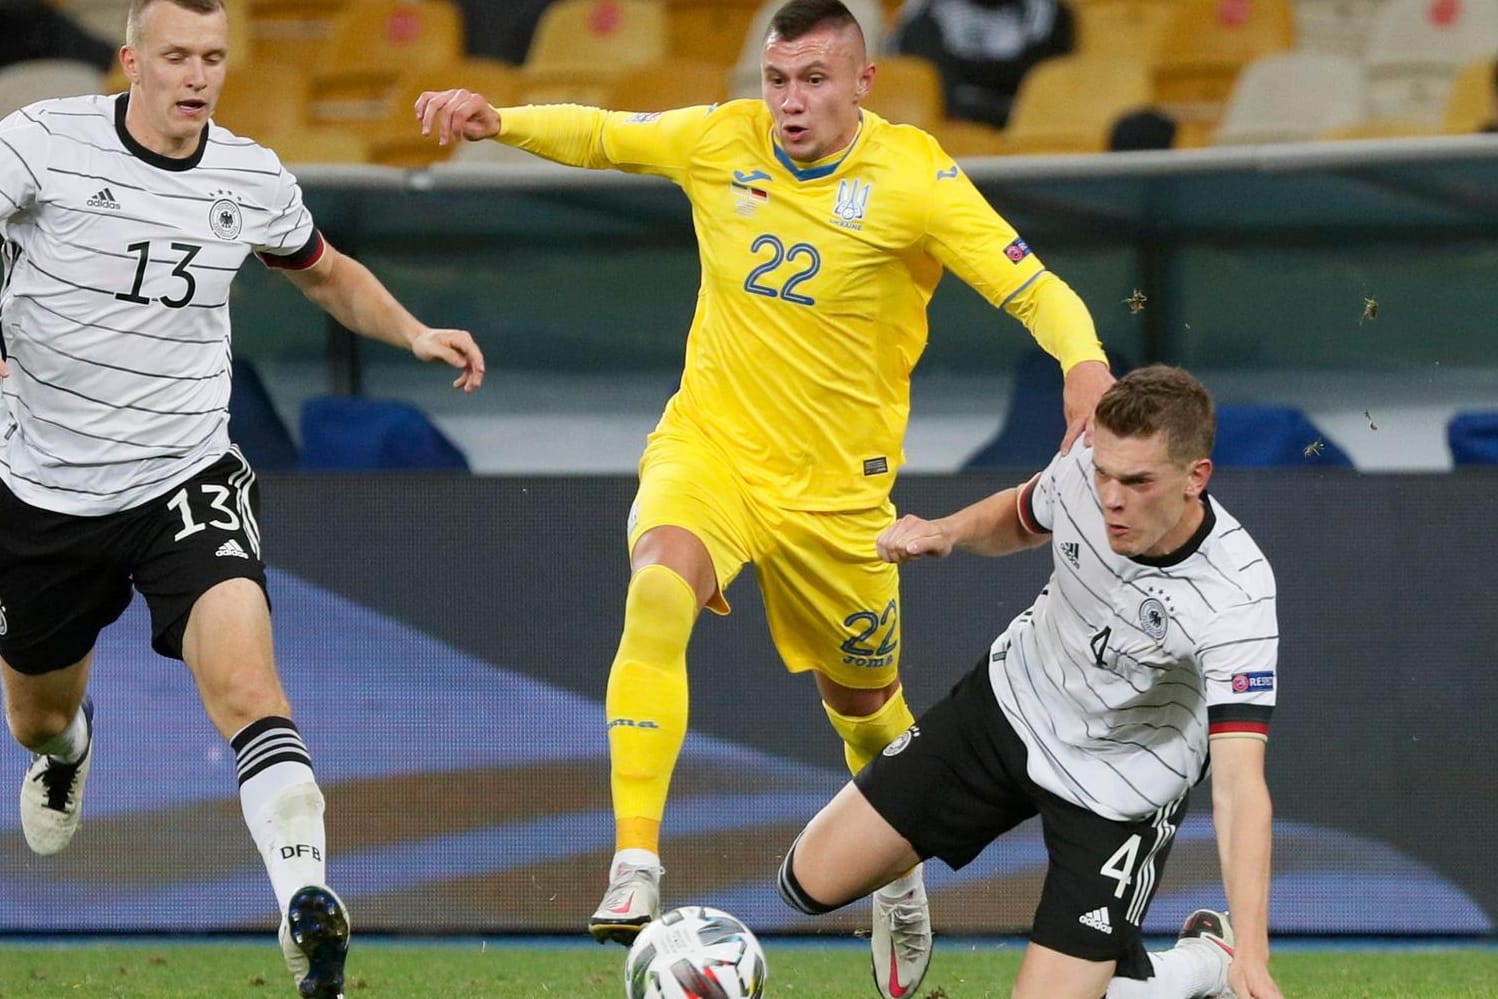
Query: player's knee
(33, 727)
(659, 611)
(792, 891)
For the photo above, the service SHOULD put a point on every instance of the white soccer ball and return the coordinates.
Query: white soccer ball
(695, 952)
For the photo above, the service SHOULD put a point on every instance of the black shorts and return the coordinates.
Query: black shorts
(957, 780)
(64, 578)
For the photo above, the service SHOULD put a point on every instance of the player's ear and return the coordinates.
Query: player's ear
(128, 64)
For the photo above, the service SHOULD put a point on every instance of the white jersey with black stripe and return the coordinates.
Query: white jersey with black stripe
(1119, 671)
(115, 308)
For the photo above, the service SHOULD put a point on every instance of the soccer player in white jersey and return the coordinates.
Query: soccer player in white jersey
(1151, 652)
(124, 221)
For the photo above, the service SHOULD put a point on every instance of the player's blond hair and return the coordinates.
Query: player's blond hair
(138, 12)
(1160, 397)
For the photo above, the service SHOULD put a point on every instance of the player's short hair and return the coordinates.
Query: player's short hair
(802, 17)
(138, 12)
(1160, 397)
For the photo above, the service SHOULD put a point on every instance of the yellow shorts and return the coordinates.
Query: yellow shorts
(832, 605)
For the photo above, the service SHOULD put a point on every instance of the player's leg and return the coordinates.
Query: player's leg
(835, 608)
(198, 565)
(59, 585)
(682, 556)
(1100, 881)
(1195, 968)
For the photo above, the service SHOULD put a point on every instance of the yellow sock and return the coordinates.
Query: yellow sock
(646, 703)
(864, 738)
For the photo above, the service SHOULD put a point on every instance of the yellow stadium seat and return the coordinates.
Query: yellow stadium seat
(1471, 105)
(1385, 129)
(1132, 29)
(963, 139)
(679, 83)
(260, 101)
(396, 139)
(708, 30)
(318, 145)
(582, 46)
(1207, 43)
(1069, 104)
(293, 32)
(907, 90)
(373, 42)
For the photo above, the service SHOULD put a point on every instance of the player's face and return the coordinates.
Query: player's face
(812, 86)
(176, 72)
(1151, 504)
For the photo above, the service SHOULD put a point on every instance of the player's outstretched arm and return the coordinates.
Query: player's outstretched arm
(990, 526)
(348, 292)
(449, 114)
(1242, 813)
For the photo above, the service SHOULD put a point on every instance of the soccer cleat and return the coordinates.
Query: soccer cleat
(632, 900)
(901, 941)
(314, 937)
(52, 796)
(1210, 929)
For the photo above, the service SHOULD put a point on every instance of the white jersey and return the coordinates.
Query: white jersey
(1117, 673)
(115, 309)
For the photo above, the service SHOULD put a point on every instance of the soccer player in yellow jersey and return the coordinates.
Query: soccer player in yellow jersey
(823, 231)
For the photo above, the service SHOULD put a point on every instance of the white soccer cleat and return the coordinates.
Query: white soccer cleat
(314, 939)
(1210, 929)
(900, 943)
(632, 900)
(52, 796)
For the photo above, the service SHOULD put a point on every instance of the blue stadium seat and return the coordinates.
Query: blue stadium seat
(1473, 438)
(254, 423)
(342, 433)
(1263, 436)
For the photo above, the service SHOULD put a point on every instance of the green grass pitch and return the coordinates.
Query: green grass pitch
(239, 970)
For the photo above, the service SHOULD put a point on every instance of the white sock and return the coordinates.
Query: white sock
(904, 884)
(1187, 971)
(282, 805)
(635, 857)
(69, 745)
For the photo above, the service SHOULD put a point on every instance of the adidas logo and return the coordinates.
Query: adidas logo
(231, 547)
(104, 199)
(1073, 553)
(1097, 919)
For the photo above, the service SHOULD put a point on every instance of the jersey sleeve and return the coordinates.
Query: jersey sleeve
(1239, 659)
(1037, 499)
(658, 143)
(25, 149)
(978, 245)
(290, 240)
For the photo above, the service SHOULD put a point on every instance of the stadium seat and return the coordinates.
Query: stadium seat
(293, 32)
(1292, 97)
(708, 30)
(24, 83)
(396, 140)
(966, 139)
(1131, 29)
(1068, 104)
(343, 433)
(1334, 27)
(1470, 106)
(371, 44)
(744, 77)
(1208, 42)
(1416, 50)
(1473, 438)
(1253, 436)
(302, 146)
(254, 423)
(582, 46)
(263, 101)
(907, 90)
(682, 82)
(1379, 130)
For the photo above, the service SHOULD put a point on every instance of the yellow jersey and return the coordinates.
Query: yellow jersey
(815, 280)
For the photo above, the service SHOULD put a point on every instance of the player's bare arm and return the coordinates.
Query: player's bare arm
(1242, 813)
(990, 526)
(452, 113)
(1084, 385)
(347, 291)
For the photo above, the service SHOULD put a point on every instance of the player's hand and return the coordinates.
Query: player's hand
(4, 369)
(454, 347)
(910, 538)
(452, 113)
(1085, 385)
(1250, 979)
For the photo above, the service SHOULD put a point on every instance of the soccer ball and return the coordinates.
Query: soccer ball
(695, 953)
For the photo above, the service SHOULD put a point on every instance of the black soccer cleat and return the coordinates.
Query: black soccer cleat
(315, 939)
